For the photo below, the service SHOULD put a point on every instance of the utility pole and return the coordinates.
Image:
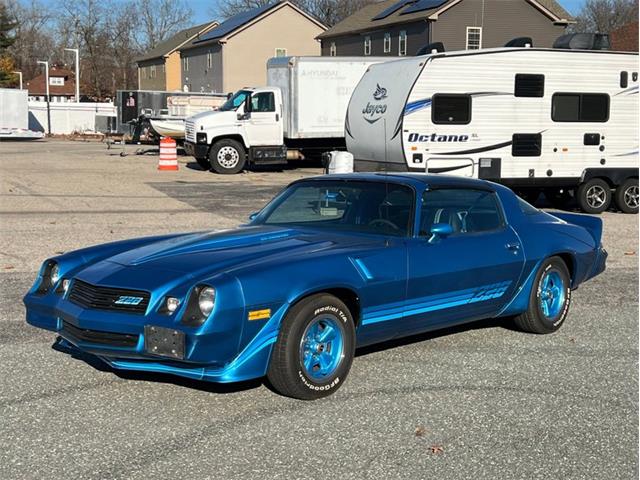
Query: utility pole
(46, 75)
(77, 52)
(20, 76)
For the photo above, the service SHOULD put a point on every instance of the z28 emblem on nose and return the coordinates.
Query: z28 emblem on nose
(124, 300)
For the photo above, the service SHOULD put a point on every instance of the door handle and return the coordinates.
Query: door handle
(277, 117)
(515, 246)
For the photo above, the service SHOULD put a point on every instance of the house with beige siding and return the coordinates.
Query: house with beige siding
(403, 27)
(159, 69)
(234, 54)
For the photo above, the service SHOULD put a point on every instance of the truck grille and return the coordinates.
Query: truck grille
(102, 338)
(190, 131)
(106, 298)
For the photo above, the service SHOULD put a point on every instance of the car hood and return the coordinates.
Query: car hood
(206, 254)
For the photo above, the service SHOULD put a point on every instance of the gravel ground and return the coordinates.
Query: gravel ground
(481, 401)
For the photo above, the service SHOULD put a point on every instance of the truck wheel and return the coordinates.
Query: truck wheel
(204, 164)
(627, 196)
(315, 348)
(594, 196)
(227, 156)
(549, 300)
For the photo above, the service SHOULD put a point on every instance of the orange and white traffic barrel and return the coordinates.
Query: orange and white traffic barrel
(168, 154)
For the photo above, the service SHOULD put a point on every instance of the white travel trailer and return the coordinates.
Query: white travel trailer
(562, 121)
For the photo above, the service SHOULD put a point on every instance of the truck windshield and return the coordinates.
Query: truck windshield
(234, 102)
(367, 207)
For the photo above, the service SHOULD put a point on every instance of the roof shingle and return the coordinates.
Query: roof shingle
(180, 38)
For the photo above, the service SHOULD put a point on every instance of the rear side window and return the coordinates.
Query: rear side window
(580, 107)
(467, 211)
(529, 85)
(527, 208)
(451, 109)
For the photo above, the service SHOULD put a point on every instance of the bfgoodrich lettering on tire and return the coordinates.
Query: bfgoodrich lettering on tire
(549, 300)
(315, 348)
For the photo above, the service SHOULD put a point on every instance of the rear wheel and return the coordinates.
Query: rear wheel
(594, 196)
(549, 300)
(227, 157)
(627, 196)
(315, 348)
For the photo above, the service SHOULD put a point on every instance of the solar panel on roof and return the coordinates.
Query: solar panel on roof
(392, 9)
(421, 5)
(234, 22)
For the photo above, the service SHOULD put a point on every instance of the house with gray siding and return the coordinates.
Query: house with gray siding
(234, 54)
(403, 27)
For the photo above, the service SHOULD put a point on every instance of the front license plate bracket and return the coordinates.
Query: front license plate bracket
(165, 342)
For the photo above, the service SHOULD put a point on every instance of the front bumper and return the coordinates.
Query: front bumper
(121, 341)
(196, 150)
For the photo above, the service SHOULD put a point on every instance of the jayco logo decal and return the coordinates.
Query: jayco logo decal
(374, 111)
(434, 137)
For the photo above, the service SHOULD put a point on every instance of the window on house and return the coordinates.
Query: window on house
(58, 81)
(152, 71)
(402, 43)
(367, 45)
(164, 68)
(451, 109)
(528, 85)
(333, 50)
(143, 72)
(281, 52)
(580, 107)
(209, 60)
(387, 42)
(474, 38)
(185, 64)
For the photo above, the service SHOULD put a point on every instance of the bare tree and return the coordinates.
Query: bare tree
(161, 19)
(605, 15)
(328, 12)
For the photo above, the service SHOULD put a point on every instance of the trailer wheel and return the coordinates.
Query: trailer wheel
(627, 196)
(594, 196)
(227, 156)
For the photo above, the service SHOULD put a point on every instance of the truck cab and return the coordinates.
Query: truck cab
(248, 127)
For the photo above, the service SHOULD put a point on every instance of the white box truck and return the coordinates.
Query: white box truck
(299, 114)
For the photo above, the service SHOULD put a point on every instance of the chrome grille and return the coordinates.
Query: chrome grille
(190, 131)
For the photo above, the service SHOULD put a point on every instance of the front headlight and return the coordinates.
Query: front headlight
(206, 299)
(50, 274)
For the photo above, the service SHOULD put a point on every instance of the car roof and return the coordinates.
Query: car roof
(420, 180)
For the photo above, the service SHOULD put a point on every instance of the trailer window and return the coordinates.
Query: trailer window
(451, 109)
(526, 145)
(528, 85)
(580, 107)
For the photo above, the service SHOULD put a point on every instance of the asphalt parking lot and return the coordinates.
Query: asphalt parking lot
(482, 401)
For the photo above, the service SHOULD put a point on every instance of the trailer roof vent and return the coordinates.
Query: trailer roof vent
(583, 41)
(435, 47)
(519, 42)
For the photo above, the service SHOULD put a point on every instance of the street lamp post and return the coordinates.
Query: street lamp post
(20, 76)
(46, 79)
(77, 52)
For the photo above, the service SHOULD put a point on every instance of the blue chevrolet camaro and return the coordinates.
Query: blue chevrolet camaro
(330, 264)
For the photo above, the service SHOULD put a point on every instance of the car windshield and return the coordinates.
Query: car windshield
(235, 101)
(367, 207)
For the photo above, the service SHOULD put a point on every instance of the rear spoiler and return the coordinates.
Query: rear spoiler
(592, 224)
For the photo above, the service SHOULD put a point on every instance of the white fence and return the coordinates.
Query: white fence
(68, 117)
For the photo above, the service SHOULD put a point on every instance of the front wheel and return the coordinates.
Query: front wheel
(549, 300)
(315, 348)
(227, 157)
(594, 196)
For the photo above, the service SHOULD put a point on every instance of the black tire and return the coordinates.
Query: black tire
(287, 373)
(204, 164)
(594, 196)
(626, 196)
(559, 198)
(535, 320)
(227, 157)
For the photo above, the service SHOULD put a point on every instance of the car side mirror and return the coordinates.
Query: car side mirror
(439, 231)
(252, 216)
